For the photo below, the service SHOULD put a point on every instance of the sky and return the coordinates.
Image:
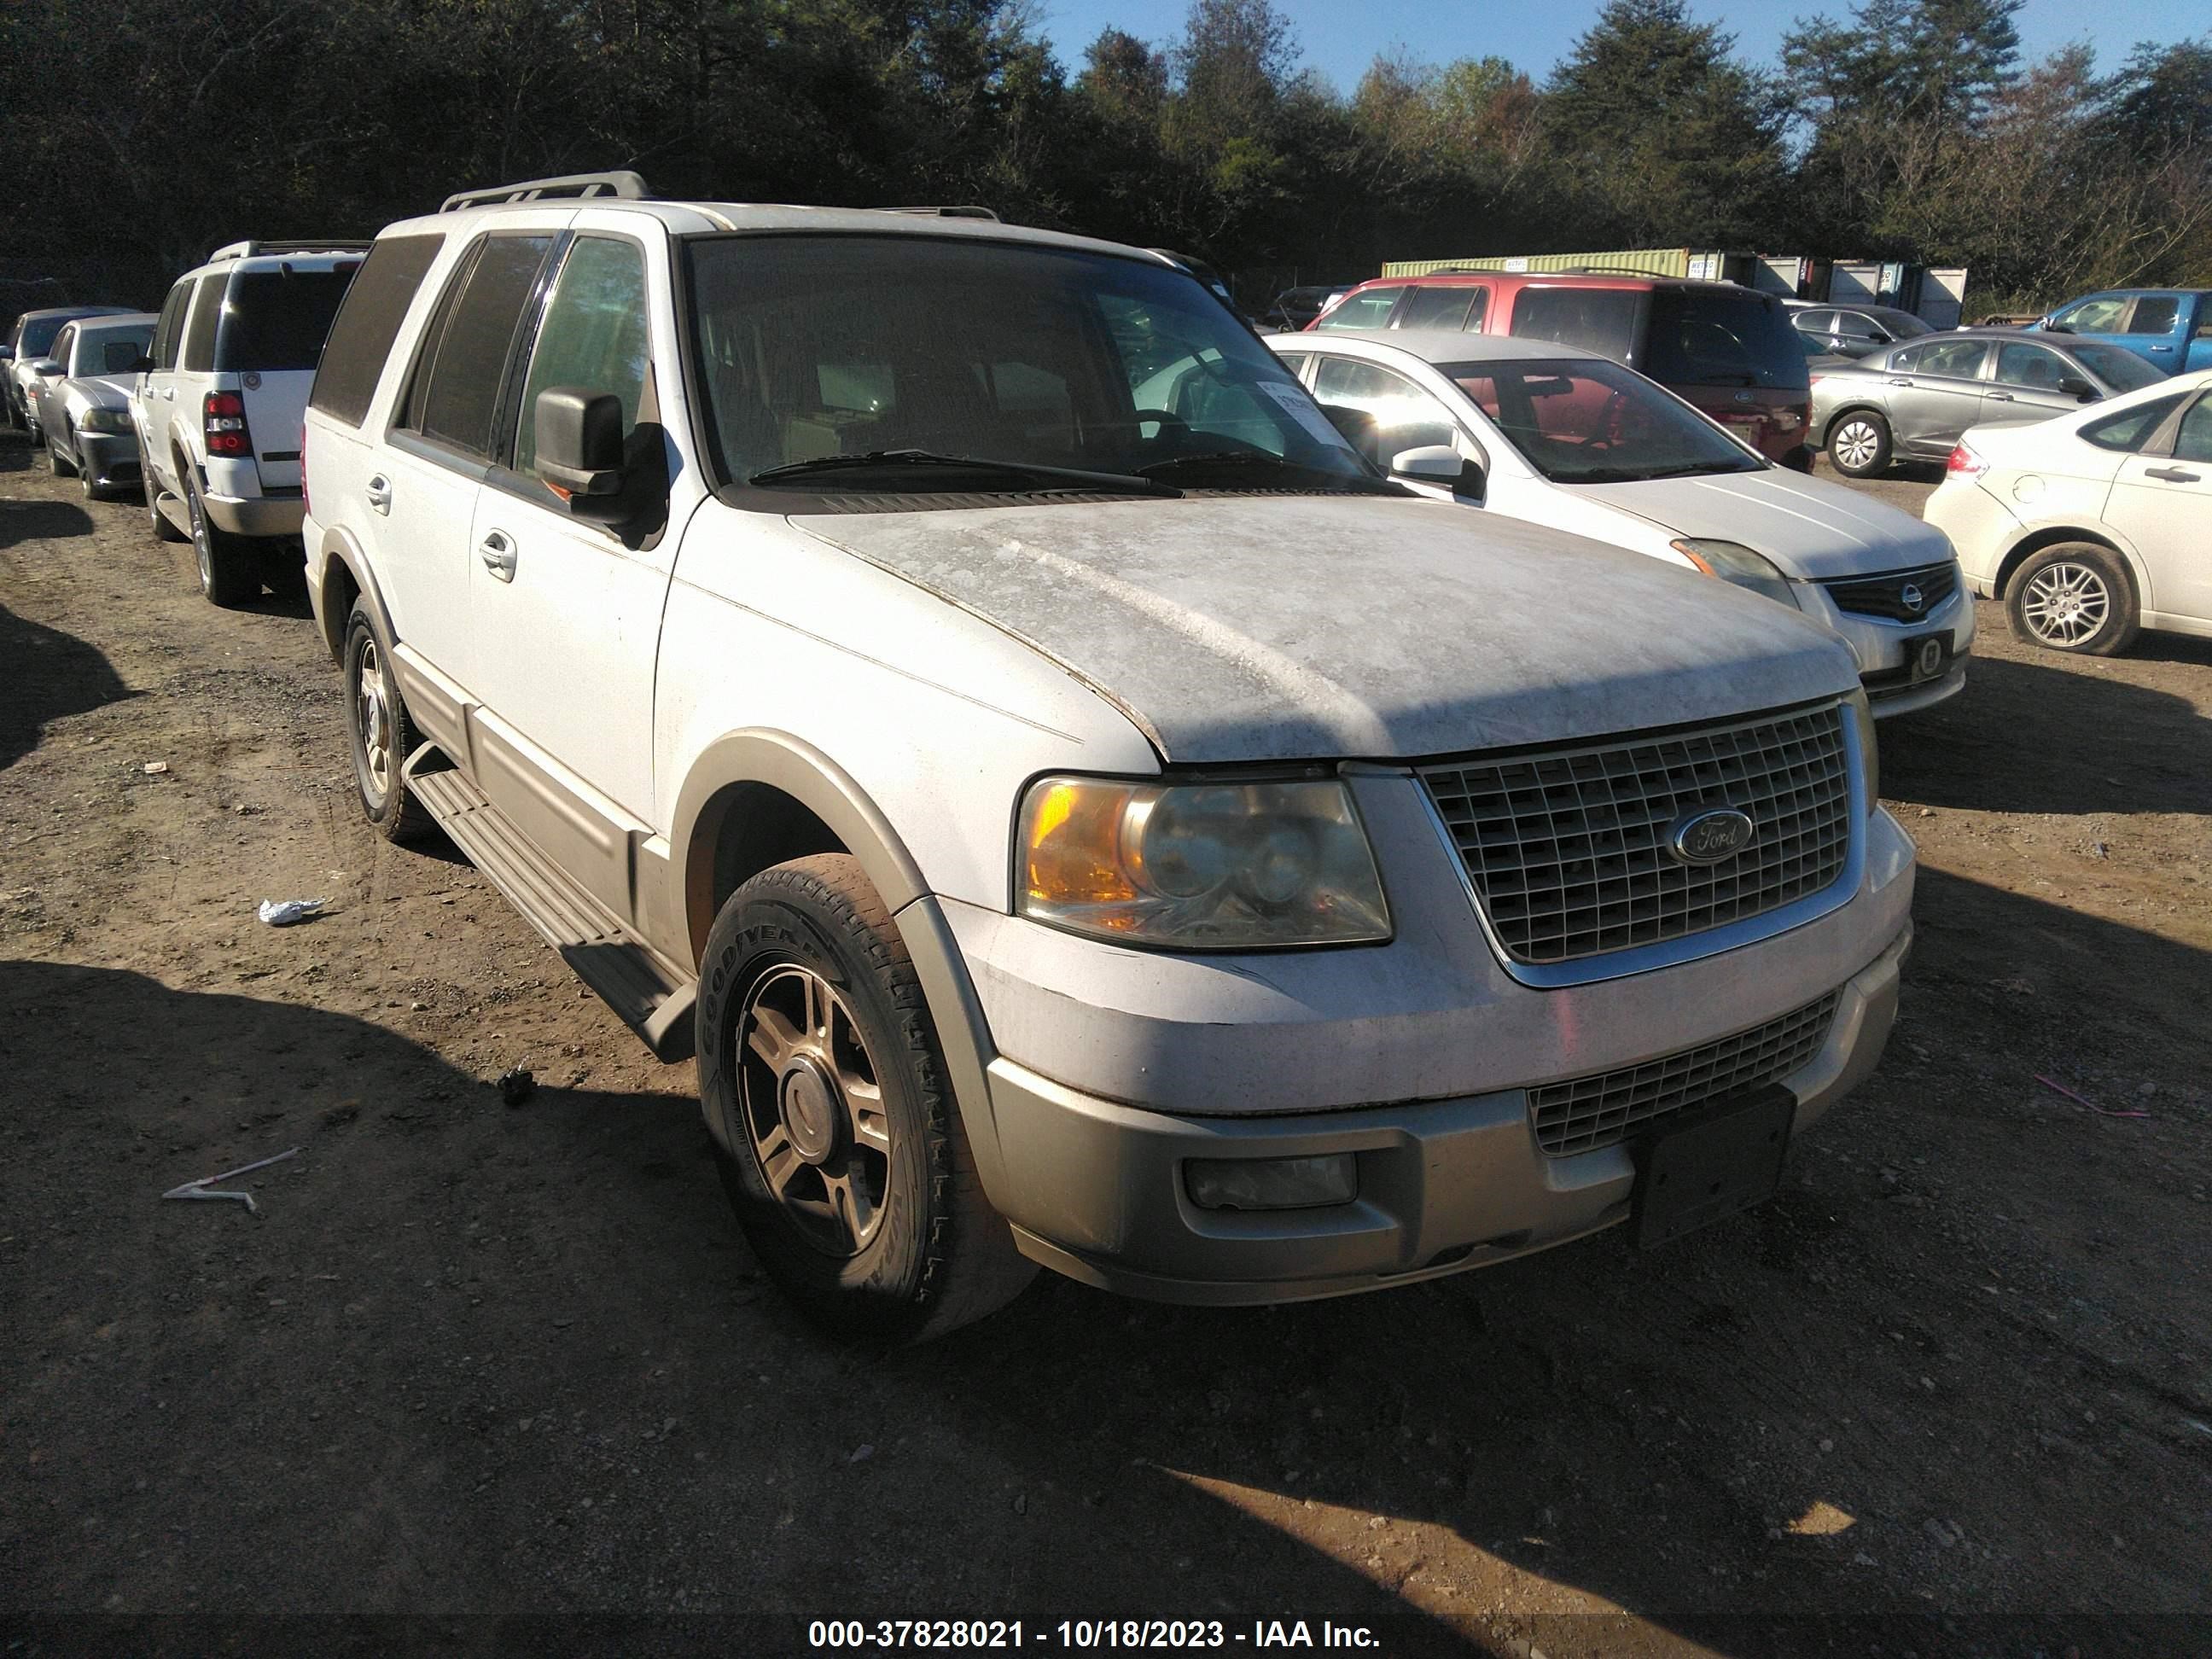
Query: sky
(1342, 37)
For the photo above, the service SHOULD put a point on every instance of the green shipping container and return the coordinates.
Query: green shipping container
(1646, 261)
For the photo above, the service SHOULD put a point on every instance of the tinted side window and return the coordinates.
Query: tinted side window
(274, 319)
(1814, 322)
(1435, 308)
(2097, 316)
(458, 383)
(2155, 315)
(1406, 417)
(2129, 430)
(367, 322)
(120, 349)
(170, 324)
(1370, 308)
(1708, 337)
(2029, 366)
(593, 336)
(2194, 441)
(1955, 360)
(199, 333)
(1602, 320)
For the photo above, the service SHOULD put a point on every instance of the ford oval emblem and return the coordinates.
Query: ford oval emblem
(1743, 397)
(252, 380)
(1910, 597)
(1710, 836)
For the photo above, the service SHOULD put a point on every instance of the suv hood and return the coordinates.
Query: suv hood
(1242, 629)
(1813, 529)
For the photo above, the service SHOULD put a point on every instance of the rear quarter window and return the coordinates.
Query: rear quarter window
(1722, 339)
(274, 320)
(367, 322)
(2129, 429)
(1600, 319)
(199, 330)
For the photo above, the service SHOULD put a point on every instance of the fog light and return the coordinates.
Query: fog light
(1272, 1184)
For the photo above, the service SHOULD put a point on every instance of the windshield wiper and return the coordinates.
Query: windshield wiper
(1234, 458)
(1643, 475)
(1124, 484)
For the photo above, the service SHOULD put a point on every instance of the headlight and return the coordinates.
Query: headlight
(106, 420)
(1869, 757)
(1732, 562)
(1200, 866)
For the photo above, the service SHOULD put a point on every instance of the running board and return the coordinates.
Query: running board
(173, 508)
(605, 954)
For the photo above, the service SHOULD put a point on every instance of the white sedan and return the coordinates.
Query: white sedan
(1543, 432)
(2094, 525)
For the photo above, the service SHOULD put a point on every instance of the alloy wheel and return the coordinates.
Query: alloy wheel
(202, 545)
(2066, 604)
(813, 1108)
(1856, 445)
(372, 703)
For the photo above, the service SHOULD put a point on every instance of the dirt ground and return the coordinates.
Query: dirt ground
(1950, 1393)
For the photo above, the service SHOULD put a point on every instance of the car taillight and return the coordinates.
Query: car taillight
(222, 417)
(1963, 462)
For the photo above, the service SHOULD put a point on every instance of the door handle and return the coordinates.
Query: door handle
(2163, 348)
(1898, 382)
(380, 493)
(497, 553)
(2170, 474)
(2000, 397)
(170, 392)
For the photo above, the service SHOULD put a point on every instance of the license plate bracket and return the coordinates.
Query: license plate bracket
(1703, 1172)
(1927, 656)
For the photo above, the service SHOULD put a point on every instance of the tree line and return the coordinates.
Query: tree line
(144, 133)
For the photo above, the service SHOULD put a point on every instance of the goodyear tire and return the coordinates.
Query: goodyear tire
(840, 1144)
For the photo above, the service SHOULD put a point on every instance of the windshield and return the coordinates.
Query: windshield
(819, 350)
(38, 335)
(1576, 420)
(1706, 338)
(274, 319)
(2120, 370)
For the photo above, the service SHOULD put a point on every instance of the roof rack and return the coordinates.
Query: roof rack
(624, 185)
(1610, 271)
(248, 250)
(969, 211)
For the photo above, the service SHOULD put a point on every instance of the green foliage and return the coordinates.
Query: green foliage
(144, 133)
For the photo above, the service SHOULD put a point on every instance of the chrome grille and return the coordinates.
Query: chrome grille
(1567, 850)
(1586, 1113)
(1884, 595)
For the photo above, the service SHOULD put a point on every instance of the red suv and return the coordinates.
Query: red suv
(1727, 350)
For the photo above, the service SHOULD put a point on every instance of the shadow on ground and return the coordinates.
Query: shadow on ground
(46, 675)
(2035, 737)
(472, 1358)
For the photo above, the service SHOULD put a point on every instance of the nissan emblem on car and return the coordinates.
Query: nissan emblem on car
(1710, 835)
(1910, 597)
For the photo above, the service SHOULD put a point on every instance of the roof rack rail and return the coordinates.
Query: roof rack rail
(248, 250)
(1609, 270)
(968, 211)
(624, 185)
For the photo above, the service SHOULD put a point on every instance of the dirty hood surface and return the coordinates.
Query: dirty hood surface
(1242, 629)
(1810, 527)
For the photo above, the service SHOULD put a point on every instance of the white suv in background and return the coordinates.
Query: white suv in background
(1067, 831)
(218, 406)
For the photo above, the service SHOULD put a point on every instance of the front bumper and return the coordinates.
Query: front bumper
(108, 457)
(1444, 1185)
(257, 515)
(1880, 647)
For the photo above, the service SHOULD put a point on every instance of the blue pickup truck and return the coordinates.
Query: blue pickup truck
(2171, 328)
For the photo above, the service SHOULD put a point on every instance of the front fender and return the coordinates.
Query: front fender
(799, 769)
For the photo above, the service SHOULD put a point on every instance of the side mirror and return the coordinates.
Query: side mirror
(144, 365)
(46, 366)
(580, 444)
(1439, 464)
(7, 352)
(2073, 385)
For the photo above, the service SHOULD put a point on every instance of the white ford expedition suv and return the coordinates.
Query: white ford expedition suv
(1149, 845)
(218, 405)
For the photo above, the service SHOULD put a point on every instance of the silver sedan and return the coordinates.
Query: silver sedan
(82, 405)
(1911, 402)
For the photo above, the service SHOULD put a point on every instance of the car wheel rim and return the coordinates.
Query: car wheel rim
(2066, 604)
(200, 537)
(371, 705)
(1855, 444)
(813, 1109)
